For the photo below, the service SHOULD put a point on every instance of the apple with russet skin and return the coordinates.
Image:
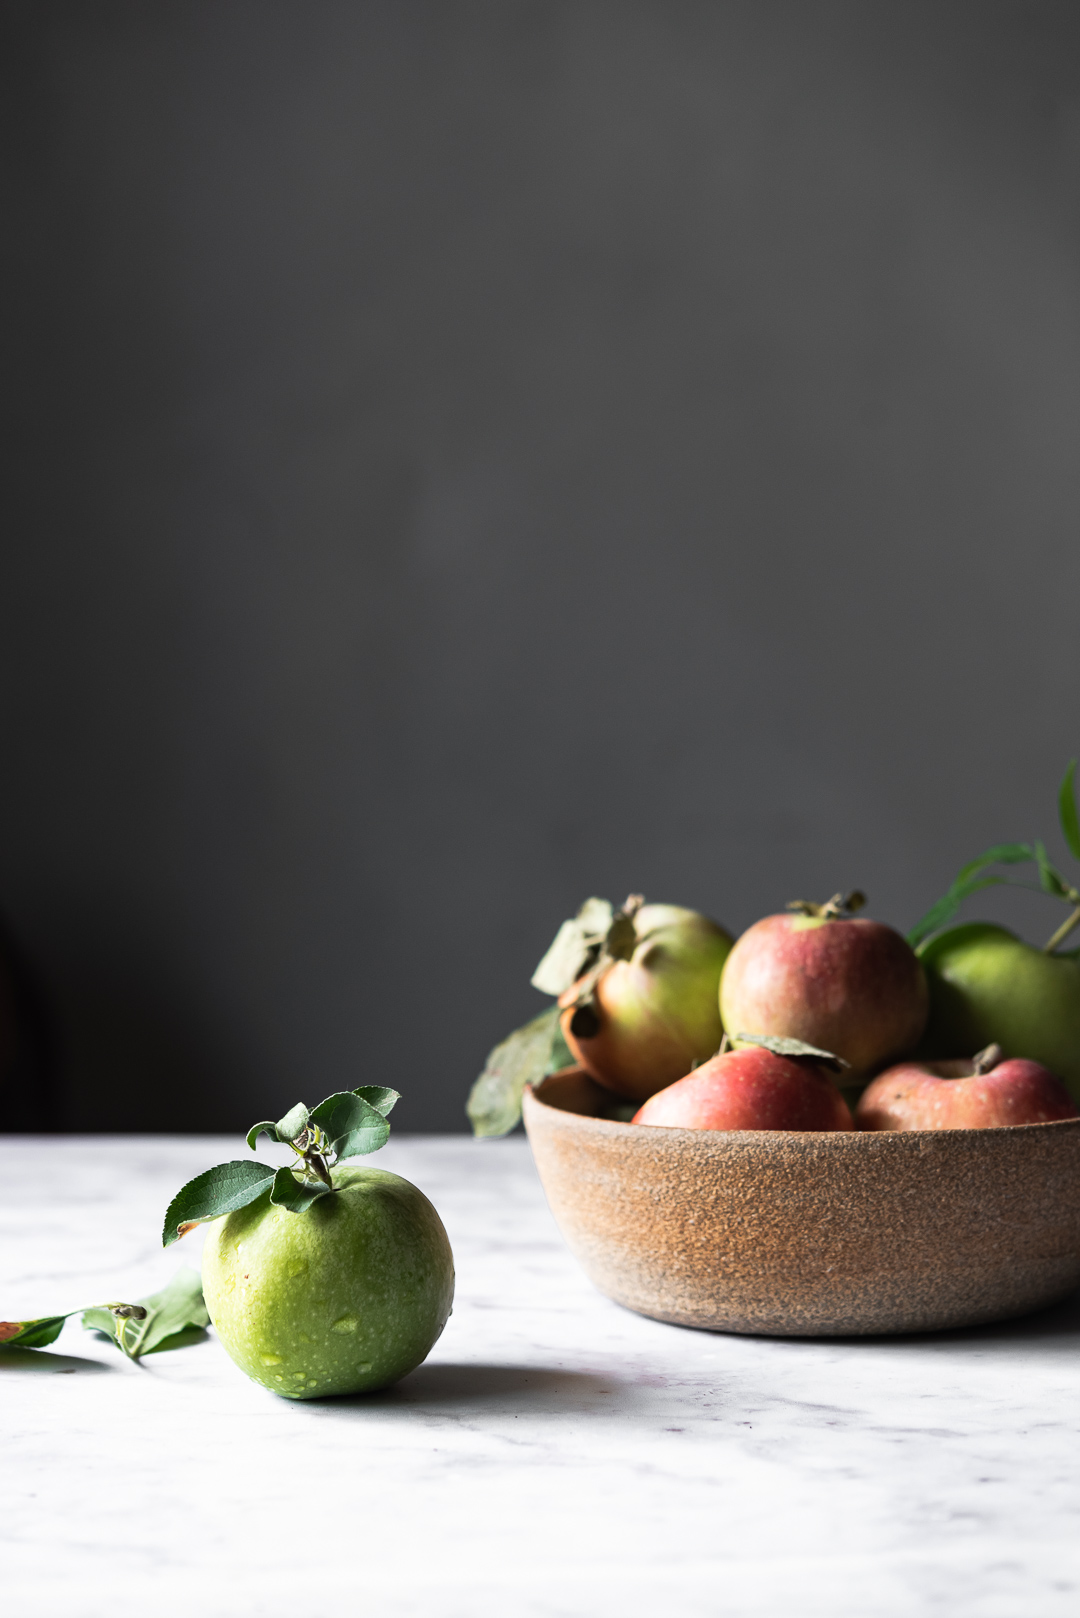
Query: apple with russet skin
(751, 1088)
(655, 1014)
(988, 985)
(346, 1297)
(840, 982)
(987, 1092)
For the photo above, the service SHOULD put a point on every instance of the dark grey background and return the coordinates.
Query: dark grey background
(464, 457)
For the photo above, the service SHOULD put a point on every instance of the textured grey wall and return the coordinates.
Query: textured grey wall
(468, 456)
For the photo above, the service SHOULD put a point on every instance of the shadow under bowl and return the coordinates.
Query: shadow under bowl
(800, 1234)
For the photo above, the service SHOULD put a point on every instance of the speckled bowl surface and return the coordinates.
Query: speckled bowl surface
(798, 1235)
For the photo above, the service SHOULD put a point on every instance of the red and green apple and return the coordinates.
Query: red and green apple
(834, 980)
(645, 1014)
(987, 1092)
(751, 1088)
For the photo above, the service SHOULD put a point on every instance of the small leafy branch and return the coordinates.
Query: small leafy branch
(350, 1123)
(172, 1318)
(974, 876)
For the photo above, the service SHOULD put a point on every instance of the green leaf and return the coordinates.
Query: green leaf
(33, 1333)
(105, 1323)
(378, 1096)
(267, 1127)
(780, 1045)
(335, 1115)
(970, 880)
(1000, 854)
(354, 1126)
(1070, 823)
(947, 907)
(171, 1318)
(574, 947)
(622, 939)
(175, 1317)
(294, 1122)
(530, 1053)
(561, 1055)
(219, 1191)
(1050, 880)
(288, 1192)
(934, 919)
(368, 1133)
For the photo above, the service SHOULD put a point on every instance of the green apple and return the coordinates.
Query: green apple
(988, 986)
(345, 1297)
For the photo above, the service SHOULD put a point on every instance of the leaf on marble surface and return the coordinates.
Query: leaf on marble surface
(220, 1190)
(529, 1055)
(172, 1318)
(33, 1333)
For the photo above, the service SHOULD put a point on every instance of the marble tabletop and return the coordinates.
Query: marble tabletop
(556, 1456)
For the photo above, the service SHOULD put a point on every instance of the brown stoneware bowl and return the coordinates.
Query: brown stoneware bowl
(804, 1235)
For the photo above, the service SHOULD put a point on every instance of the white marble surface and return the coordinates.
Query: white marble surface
(557, 1456)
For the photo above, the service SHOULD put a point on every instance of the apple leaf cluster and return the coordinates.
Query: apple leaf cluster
(974, 876)
(583, 950)
(172, 1318)
(575, 947)
(350, 1123)
(583, 946)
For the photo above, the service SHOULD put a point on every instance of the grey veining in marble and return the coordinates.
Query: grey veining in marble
(556, 1456)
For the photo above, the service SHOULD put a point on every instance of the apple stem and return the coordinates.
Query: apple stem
(836, 908)
(984, 1061)
(316, 1163)
(1063, 932)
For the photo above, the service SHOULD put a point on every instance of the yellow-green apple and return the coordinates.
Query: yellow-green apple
(984, 1093)
(750, 1088)
(988, 985)
(644, 1020)
(343, 1298)
(846, 984)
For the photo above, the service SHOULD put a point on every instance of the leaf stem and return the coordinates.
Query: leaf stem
(140, 1335)
(1063, 932)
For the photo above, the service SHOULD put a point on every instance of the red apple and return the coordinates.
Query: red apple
(843, 983)
(750, 1089)
(984, 1093)
(653, 1014)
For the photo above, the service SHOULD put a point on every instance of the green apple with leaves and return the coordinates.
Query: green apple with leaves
(987, 986)
(321, 1278)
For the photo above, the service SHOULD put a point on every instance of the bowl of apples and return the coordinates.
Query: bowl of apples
(815, 1170)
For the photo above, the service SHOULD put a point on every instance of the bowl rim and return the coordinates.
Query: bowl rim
(773, 1137)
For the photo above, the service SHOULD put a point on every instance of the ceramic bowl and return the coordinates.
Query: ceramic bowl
(805, 1234)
